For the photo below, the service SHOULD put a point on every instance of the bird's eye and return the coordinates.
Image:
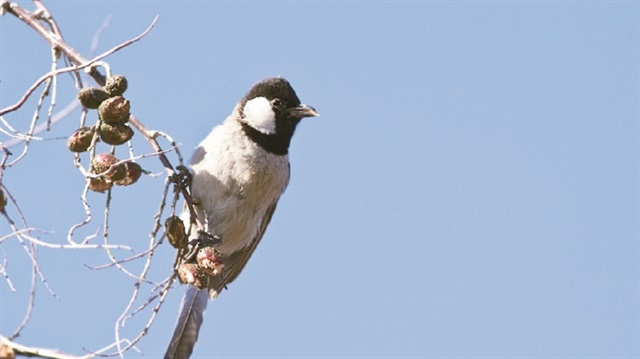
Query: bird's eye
(277, 104)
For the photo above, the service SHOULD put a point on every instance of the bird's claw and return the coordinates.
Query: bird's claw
(205, 239)
(182, 178)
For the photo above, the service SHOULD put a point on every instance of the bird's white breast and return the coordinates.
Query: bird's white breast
(235, 182)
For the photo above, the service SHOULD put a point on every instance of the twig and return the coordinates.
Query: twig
(54, 40)
(43, 126)
(154, 313)
(12, 132)
(80, 62)
(125, 260)
(142, 278)
(153, 233)
(34, 120)
(54, 88)
(161, 286)
(105, 235)
(98, 34)
(78, 59)
(33, 87)
(151, 138)
(21, 233)
(50, 353)
(3, 271)
(32, 298)
(45, 15)
(85, 221)
(25, 233)
(25, 237)
(31, 253)
(35, 351)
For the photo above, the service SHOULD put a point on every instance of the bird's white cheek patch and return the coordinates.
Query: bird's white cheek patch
(259, 115)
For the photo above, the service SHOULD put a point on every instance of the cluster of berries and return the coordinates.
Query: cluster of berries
(112, 129)
(207, 263)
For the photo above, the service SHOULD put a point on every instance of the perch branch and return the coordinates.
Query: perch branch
(81, 62)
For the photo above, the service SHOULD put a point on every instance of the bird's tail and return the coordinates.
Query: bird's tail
(185, 335)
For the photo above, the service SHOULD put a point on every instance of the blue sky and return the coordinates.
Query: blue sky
(470, 189)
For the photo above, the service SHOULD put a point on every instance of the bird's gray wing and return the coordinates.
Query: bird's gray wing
(185, 335)
(195, 301)
(235, 262)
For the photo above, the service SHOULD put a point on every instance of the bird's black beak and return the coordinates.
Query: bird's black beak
(302, 111)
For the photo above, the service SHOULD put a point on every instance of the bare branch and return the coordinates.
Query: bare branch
(85, 221)
(34, 351)
(25, 233)
(105, 235)
(96, 36)
(34, 120)
(151, 138)
(79, 60)
(44, 126)
(54, 88)
(51, 353)
(46, 16)
(32, 20)
(121, 261)
(154, 313)
(3, 271)
(32, 298)
(43, 23)
(70, 246)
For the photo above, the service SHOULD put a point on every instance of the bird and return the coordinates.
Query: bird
(238, 173)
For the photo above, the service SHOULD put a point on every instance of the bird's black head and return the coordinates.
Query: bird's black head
(270, 112)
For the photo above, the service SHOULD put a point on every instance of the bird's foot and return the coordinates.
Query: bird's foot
(182, 178)
(200, 260)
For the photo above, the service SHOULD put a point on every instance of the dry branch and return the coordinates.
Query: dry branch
(43, 23)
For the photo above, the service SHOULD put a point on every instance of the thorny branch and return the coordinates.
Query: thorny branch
(43, 23)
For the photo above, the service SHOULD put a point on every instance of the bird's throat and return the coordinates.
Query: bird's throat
(277, 143)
